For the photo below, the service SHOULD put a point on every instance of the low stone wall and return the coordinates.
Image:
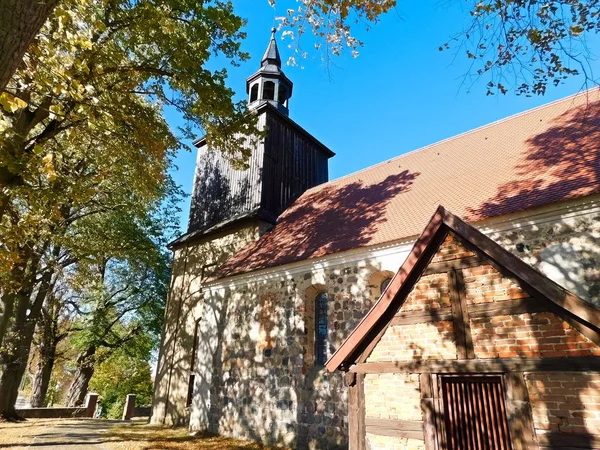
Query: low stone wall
(61, 413)
(142, 411)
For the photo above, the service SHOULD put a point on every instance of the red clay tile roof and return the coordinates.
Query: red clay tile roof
(544, 155)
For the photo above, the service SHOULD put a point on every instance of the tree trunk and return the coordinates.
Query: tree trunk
(13, 362)
(41, 382)
(18, 337)
(47, 353)
(21, 20)
(85, 370)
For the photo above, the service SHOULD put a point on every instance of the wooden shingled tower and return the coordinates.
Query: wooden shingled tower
(485, 339)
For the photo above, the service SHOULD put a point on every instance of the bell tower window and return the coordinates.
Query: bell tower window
(269, 90)
(282, 95)
(254, 93)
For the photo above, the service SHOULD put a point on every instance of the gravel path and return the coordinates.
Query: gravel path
(56, 434)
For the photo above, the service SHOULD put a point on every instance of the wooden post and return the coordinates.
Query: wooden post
(356, 411)
(428, 409)
(129, 406)
(462, 326)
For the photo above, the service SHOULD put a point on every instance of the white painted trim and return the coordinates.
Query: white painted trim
(524, 219)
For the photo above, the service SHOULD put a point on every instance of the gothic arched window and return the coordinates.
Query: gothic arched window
(321, 329)
(269, 90)
(384, 284)
(254, 93)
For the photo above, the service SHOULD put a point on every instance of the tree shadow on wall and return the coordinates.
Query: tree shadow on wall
(562, 162)
(216, 197)
(329, 220)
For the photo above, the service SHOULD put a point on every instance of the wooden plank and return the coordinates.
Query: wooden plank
(362, 428)
(460, 315)
(462, 263)
(499, 365)
(410, 429)
(428, 411)
(518, 408)
(438, 404)
(356, 412)
(369, 348)
(431, 315)
(506, 307)
(480, 310)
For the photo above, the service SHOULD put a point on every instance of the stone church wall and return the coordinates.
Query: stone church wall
(191, 266)
(255, 373)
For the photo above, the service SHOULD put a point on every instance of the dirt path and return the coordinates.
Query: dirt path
(56, 434)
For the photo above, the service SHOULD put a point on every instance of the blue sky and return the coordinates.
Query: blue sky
(400, 94)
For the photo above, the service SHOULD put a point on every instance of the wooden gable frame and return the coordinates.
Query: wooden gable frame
(546, 295)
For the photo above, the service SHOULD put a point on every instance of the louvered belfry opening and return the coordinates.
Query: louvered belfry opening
(475, 413)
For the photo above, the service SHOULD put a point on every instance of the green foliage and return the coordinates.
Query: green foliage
(119, 375)
(81, 125)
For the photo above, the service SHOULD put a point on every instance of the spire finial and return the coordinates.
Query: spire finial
(271, 55)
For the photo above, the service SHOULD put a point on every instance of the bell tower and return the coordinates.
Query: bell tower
(269, 83)
(230, 207)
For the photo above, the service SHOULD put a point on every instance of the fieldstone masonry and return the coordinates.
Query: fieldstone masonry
(255, 375)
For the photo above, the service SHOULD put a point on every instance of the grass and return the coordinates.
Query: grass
(142, 436)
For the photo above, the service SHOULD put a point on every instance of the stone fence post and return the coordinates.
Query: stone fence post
(90, 404)
(129, 406)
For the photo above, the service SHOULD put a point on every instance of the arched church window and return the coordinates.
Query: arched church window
(282, 96)
(269, 90)
(254, 93)
(384, 284)
(321, 329)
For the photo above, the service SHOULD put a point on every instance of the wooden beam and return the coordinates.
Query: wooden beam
(481, 310)
(506, 307)
(411, 429)
(431, 315)
(460, 315)
(356, 414)
(428, 411)
(462, 263)
(438, 404)
(498, 365)
(519, 414)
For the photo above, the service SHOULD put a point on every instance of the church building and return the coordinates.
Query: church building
(303, 311)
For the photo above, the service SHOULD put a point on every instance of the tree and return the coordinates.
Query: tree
(122, 291)
(126, 371)
(21, 20)
(82, 134)
(53, 328)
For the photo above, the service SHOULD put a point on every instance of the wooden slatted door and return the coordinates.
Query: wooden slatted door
(475, 413)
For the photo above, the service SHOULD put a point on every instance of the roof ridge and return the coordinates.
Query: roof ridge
(460, 135)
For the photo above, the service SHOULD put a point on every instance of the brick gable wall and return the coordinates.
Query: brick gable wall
(561, 403)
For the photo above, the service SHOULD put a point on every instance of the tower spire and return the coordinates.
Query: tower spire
(269, 83)
(271, 55)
